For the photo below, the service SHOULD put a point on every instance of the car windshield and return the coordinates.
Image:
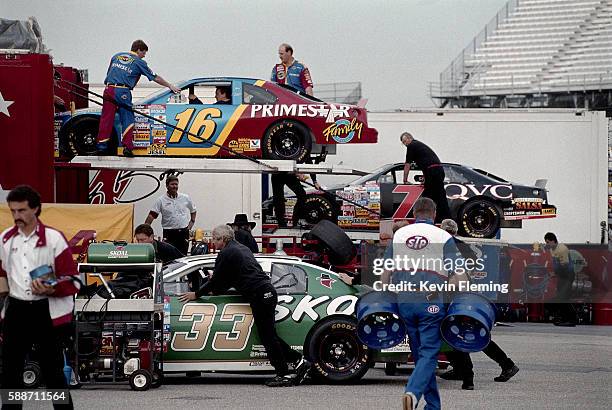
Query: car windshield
(372, 176)
(157, 94)
(171, 267)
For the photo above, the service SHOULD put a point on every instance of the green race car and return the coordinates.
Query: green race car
(217, 333)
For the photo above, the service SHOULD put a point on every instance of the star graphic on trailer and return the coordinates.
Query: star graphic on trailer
(4, 104)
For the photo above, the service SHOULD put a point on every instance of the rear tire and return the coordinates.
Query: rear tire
(479, 218)
(81, 138)
(340, 247)
(287, 140)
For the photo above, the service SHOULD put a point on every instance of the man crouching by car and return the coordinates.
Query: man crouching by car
(237, 268)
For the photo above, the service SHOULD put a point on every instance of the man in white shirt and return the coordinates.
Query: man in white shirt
(178, 215)
(37, 306)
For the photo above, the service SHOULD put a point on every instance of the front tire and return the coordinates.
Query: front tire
(336, 353)
(480, 218)
(316, 208)
(141, 380)
(287, 140)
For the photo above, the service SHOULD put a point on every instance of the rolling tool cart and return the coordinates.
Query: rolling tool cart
(119, 317)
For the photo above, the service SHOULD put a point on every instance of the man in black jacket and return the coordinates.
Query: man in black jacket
(427, 161)
(461, 362)
(242, 231)
(236, 267)
(164, 252)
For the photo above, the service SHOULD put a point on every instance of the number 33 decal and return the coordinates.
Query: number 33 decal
(202, 315)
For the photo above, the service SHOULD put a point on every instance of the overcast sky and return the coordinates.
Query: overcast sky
(393, 47)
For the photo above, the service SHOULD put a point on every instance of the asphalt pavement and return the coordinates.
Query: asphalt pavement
(560, 368)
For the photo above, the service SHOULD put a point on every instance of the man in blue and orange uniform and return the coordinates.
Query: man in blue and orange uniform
(122, 75)
(422, 309)
(291, 72)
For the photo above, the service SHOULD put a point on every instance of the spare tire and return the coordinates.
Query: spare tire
(339, 246)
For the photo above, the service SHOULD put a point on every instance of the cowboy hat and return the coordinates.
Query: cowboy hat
(242, 219)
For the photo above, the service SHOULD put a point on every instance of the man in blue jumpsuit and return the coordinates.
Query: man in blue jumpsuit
(291, 72)
(122, 75)
(427, 250)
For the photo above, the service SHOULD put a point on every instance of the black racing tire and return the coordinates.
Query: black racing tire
(336, 353)
(81, 138)
(390, 369)
(339, 246)
(316, 208)
(141, 380)
(32, 375)
(287, 140)
(479, 218)
(158, 379)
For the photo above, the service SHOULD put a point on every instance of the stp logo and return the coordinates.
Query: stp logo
(417, 242)
(433, 309)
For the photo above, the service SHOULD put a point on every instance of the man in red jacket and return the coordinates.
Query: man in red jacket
(36, 306)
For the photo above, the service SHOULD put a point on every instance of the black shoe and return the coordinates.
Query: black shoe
(280, 381)
(507, 374)
(468, 384)
(128, 153)
(451, 375)
(565, 324)
(302, 370)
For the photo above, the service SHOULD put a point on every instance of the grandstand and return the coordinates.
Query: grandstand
(535, 53)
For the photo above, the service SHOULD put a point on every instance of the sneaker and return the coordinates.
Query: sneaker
(451, 375)
(102, 149)
(302, 370)
(280, 381)
(507, 374)
(128, 153)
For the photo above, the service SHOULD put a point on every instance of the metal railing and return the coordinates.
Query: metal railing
(345, 93)
(452, 77)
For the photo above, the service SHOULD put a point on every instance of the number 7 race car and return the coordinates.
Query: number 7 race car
(479, 201)
(262, 120)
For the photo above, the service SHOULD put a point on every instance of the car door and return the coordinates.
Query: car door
(205, 331)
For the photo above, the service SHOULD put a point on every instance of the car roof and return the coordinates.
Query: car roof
(212, 256)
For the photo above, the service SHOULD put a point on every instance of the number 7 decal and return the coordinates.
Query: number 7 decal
(412, 193)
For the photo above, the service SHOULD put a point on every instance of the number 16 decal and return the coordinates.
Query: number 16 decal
(203, 122)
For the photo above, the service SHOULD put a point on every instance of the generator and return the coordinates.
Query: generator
(119, 335)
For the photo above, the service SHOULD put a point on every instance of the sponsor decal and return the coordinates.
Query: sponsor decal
(417, 242)
(255, 144)
(157, 149)
(241, 145)
(549, 211)
(478, 275)
(118, 253)
(433, 309)
(157, 133)
(329, 111)
(343, 131)
(124, 58)
(465, 191)
(326, 280)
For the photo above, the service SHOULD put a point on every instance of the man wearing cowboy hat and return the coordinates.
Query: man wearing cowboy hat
(242, 231)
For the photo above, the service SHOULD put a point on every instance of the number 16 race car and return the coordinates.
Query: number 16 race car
(262, 119)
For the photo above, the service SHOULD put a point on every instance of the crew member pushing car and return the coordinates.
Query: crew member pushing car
(433, 172)
(122, 75)
(236, 267)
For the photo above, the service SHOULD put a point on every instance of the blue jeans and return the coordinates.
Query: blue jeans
(423, 320)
